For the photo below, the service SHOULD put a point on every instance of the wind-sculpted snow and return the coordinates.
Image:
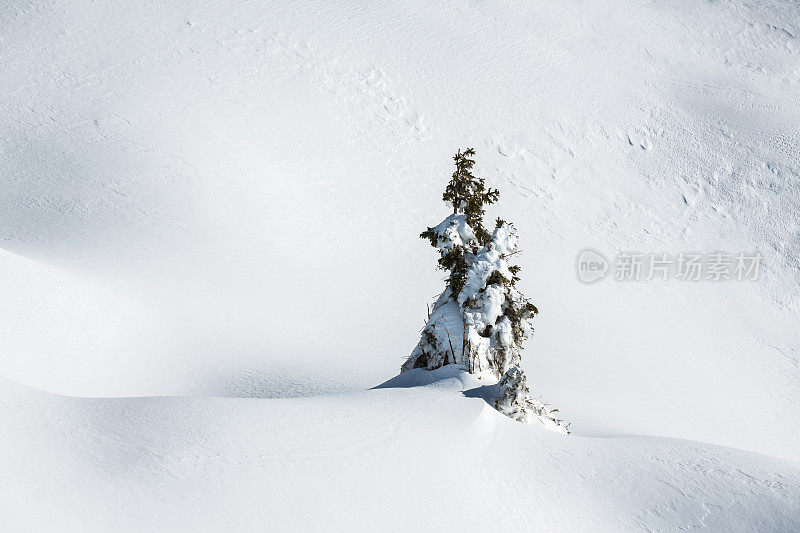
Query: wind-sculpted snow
(362, 461)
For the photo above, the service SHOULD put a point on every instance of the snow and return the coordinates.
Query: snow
(489, 259)
(395, 458)
(209, 212)
(453, 231)
(447, 329)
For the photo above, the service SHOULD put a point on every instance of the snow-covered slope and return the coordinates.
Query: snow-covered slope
(223, 199)
(391, 459)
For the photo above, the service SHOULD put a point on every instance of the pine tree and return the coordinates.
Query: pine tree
(481, 319)
(468, 194)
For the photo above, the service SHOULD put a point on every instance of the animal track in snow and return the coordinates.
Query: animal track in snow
(642, 138)
(361, 91)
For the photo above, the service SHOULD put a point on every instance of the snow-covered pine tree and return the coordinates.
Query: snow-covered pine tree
(481, 319)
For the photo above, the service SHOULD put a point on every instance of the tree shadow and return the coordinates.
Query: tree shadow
(450, 376)
(446, 376)
(487, 393)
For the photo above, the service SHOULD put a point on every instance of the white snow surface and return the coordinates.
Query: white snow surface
(209, 220)
(453, 231)
(370, 460)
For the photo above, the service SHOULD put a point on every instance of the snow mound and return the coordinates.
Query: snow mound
(361, 461)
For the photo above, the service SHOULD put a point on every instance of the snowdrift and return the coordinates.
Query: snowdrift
(414, 454)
